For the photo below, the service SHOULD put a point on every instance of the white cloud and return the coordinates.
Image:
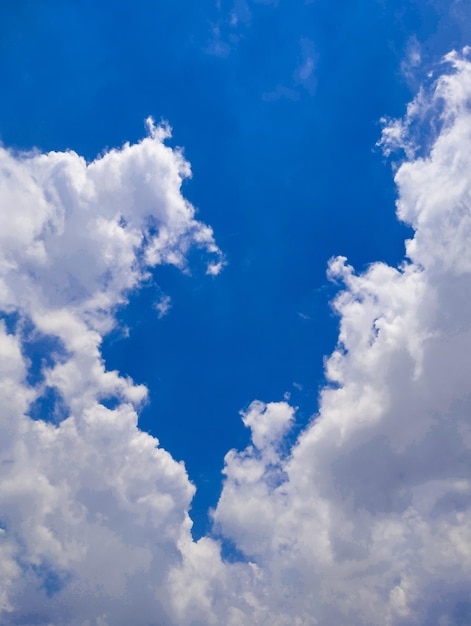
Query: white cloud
(92, 510)
(163, 306)
(366, 520)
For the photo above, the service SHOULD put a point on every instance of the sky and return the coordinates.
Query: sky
(235, 313)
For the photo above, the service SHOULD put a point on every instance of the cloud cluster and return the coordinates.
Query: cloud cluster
(365, 521)
(368, 519)
(91, 508)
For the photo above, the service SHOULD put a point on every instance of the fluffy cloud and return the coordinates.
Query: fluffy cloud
(92, 510)
(364, 521)
(367, 519)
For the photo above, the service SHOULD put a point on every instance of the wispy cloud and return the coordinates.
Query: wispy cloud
(303, 76)
(229, 28)
(413, 59)
(163, 306)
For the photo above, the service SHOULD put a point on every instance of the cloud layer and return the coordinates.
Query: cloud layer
(365, 521)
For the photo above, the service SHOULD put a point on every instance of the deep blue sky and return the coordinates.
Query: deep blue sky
(285, 170)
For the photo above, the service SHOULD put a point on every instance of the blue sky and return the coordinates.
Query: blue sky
(279, 107)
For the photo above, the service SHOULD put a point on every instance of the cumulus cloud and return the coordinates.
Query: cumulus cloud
(92, 509)
(365, 520)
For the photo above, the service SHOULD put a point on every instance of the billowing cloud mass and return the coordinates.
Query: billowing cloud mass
(92, 510)
(366, 520)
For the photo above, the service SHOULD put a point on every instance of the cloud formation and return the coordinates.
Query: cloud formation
(364, 521)
(367, 519)
(90, 506)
